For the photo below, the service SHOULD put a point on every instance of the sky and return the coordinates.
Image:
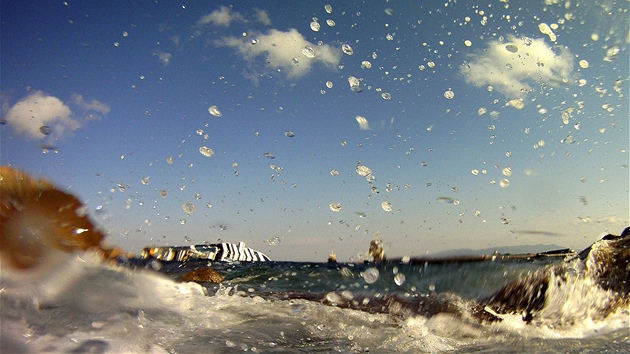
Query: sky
(303, 128)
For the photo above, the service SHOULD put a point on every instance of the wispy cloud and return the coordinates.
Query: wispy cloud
(511, 66)
(262, 17)
(39, 115)
(287, 51)
(165, 58)
(221, 17)
(91, 105)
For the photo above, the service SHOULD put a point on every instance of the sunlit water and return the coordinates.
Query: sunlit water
(88, 307)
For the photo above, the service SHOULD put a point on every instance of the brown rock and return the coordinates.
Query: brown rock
(203, 275)
(36, 217)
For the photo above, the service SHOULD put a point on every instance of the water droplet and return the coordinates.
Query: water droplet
(328, 8)
(389, 11)
(507, 171)
(269, 155)
(467, 43)
(315, 26)
(370, 275)
(504, 183)
(399, 279)
(254, 41)
(329, 84)
(125, 34)
(214, 111)
(335, 206)
(289, 134)
(583, 64)
(188, 208)
(182, 221)
(273, 241)
(366, 64)
(386, 96)
(449, 94)
(354, 84)
(44, 129)
(308, 52)
(363, 123)
(334, 172)
(387, 206)
(347, 49)
(363, 170)
(330, 23)
(163, 193)
(206, 151)
(145, 180)
(511, 48)
(474, 171)
(187, 239)
(169, 160)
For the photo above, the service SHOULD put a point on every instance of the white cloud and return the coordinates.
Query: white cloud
(165, 58)
(510, 67)
(221, 17)
(39, 115)
(92, 105)
(263, 17)
(283, 51)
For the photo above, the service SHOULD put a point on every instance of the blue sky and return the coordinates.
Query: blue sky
(506, 122)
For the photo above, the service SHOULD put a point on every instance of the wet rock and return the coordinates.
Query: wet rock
(203, 275)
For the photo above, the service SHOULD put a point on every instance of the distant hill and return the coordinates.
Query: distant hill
(506, 249)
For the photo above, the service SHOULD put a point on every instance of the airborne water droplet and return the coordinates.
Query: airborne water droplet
(289, 134)
(399, 279)
(315, 26)
(347, 49)
(370, 275)
(387, 206)
(308, 52)
(511, 48)
(335, 207)
(188, 208)
(44, 129)
(214, 111)
(206, 151)
(354, 84)
(363, 171)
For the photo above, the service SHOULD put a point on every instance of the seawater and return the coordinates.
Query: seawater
(85, 306)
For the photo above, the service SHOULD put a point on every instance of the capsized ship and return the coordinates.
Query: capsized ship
(219, 252)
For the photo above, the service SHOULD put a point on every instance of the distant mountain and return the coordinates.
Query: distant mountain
(506, 249)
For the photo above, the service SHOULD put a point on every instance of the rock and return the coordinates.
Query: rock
(203, 275)
(37, 220)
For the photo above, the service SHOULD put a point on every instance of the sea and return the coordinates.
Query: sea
(82, 305)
